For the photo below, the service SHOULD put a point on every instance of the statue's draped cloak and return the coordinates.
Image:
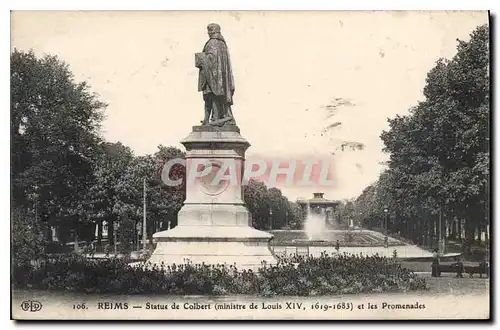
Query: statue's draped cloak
(216, 74)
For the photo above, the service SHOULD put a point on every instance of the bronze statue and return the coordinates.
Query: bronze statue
(216, 79)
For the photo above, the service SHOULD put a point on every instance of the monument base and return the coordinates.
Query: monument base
(244, 247)
(214, 226)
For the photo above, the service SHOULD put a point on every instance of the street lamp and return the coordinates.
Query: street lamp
(116, 225)
(386, 240)
(271, 219)
(386, 211)
(138, 227)
(144, 226)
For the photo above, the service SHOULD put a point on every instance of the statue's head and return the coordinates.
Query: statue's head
(213, 28)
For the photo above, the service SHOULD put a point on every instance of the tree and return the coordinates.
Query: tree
(126, 234)
(280, 208)
(54, 132)
(175, 195)
(27, 238)
(439, 153)
(162, 202)
(112, 161)
(269, 208)
(255, 196)
(296, 216)
(345, 211)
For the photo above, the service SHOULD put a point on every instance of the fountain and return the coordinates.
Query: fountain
(319, 216)
(324, 233)
(314, 225)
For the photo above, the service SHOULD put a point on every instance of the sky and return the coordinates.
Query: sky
(289, 69)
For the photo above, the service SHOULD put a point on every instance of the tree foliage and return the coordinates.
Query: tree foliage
(27, 238)
(66, 174)
(54, 132)
(162, 202)
(270, 209)
(439, 153)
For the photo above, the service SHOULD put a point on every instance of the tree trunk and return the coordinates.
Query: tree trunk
(407, 229)
(453, 234)
(469, 233)
(487, 242)
(443, 231)
(99, 232)
(433, 228)
(111, 231)
(425, 232)
(459, 229)
(48, 232)
(486, 235)
(479, 232)
(416, 232)
(446, 232)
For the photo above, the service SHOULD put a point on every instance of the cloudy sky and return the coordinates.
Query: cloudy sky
(289, 68)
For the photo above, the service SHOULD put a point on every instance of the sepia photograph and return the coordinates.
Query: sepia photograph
(250, 165)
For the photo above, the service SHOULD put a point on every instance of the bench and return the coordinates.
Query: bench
(448, 268)
(481, 269)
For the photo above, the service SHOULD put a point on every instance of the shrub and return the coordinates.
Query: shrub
(299, 276)
(28, 241)
(126, 235)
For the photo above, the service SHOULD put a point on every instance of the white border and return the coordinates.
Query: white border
(253, 5)
(185, 5)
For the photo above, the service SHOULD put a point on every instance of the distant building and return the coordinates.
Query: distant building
(320, 205)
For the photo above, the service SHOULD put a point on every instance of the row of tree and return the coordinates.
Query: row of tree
(438, 171)
(64, 175)
(54, 139)
(270, 209)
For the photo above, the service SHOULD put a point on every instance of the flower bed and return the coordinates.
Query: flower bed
(345, 238)
(302, 276)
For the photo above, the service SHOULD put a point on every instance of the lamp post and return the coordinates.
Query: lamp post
(271, 219)
(386, 212)
(386, 240)
(440, 231)
(138, 227)
(116, 225)
(144, 227)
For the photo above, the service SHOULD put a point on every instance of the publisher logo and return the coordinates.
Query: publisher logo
(31, 306)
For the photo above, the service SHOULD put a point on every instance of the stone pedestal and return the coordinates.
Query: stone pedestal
(214, 225)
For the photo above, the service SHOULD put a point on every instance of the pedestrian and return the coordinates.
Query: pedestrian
(435, 264)
(460, 267)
